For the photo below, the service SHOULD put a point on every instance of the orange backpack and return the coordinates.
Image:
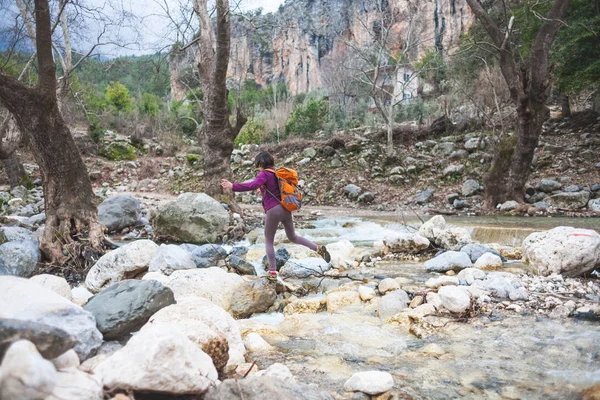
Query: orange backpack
(291, 197)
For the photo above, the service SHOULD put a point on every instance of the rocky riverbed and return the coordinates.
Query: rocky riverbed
(404, 310)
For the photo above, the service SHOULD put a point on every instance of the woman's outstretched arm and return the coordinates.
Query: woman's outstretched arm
(260, 180)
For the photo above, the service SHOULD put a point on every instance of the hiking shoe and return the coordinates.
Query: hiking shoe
(322, 251)
(272, 276)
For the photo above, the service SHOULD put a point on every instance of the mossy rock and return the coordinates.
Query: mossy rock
(119, 151)
(192, 158)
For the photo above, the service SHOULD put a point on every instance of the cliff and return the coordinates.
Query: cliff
(302, 43)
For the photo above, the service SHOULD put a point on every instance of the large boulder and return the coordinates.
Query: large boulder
(125, 262)
(126, 306)
(253, 297)
(12, 233)
(562, 250)
(192, 217)
(206, 255)
(406, 243)
(50, 341)
(312, 266)
(263, 388)
(212, 283)
(25, 375)
(169, 258)
(119, 212)
(450, 260)
(569, 200)
(27, 301)
(19, 258)
(159, 360)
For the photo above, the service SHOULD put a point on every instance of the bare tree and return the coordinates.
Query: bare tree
(69, 206)
(529, 85)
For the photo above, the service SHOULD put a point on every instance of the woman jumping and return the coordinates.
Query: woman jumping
(275, 212)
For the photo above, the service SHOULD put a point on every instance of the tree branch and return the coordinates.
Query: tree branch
(47, 73)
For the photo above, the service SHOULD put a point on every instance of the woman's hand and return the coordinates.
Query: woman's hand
(226, 184)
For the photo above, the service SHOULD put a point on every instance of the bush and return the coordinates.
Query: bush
(252, 132)
(119, 151)
(150, 105)
(307, 118)
(118, 97)
(95, 129)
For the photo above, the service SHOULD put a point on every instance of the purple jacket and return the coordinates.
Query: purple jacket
(263, 179)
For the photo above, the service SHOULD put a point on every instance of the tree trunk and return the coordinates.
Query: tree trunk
(13, 168)
(565, 106)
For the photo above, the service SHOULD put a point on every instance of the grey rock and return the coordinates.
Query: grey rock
(241, 266)
(19, 258)
(474, 144)
(265, 388)
(443, 149)
(281, 257)
(569, 200)
(119, 212)
(475, 251)
(253, 297)
(509, 205)
(572, 188)
(540, 196)
(14, 233)
(452, 197)
(548, 185)
(595, 187)
(20, 192)
(449, 260)
(309, 152)
(336, 163)
(352, 191)
(458, 155)
(594, 205)
(207, 255)
(470, 188)
(239, 251)
(497, 286)
(304, 268)
(454, 169)
(126, 306)
(541, 205)
(327, 151)
(366, 197)
(425, 196)
(50, 341)
(169, 258)
(392, 303)
(460, 204)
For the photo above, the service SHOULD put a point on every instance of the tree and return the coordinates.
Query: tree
(118, 97)
(529, 85)
(217, 135)
(69, 205)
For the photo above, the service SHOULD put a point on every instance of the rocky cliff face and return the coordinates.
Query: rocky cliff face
(301, 43)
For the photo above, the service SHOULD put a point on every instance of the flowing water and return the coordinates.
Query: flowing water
(500, 355)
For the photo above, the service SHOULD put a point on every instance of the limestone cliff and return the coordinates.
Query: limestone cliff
(299, 43)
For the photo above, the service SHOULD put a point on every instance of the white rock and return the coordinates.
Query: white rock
(453, 239)
(160, 359)
(25, 300)
(406, 242)
(450, 260)
(73, 384)
(341, 253)
(488, 261)
(562, 250)
(434, 299)
(122, 263)
(366, 293)
(439, 281)
(304, 268)
(509, 205)
(387, 285)
(470, 275)
(370, 382)
(255, 343)
(169, 258)
(55, 283)
(337, 300)
(454, 298)
(70, 359)
(278, 371)
(433, 227)
(211, 283)
(25, 373)
(190, 316)
(392, 303)
(80, 295)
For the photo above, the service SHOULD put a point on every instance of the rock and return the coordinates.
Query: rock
(454, 169)
(51, 342)
(278, 371)
(256, 344)
(475, 251)
(594, 205)
(306, 305)
(474, 144)
(593, 392)
(392, 303)
(450, 260)
(470, 187)
(119, 212)
(192, 217)
(73, 384)
(460, 204)
(252, 297)
(443, 149)
(424, 196)
(548, 185)
(212, 283)
(125, 262)
(497, 286)
(458, 155)
(304, 161)
(309, 152)
(440, 281)
(206, 255)
(142, 363)
(305, 267)
(572, 188)
(366, 197)
(19, 258)
(126, 306)
(169, 258)
(432, 228)
(571, 201)
(352, 191)
(455, 299)
(406, 243)
(452, 197)
(337, 300)
(387, 285)
(488, 261)
(509, 205)
(370, 382)
(210, 327)
(336, 163)
(563, 250)
(55, 283)
(80, 295)
(341, 253)
(595, 187)
(453, 238)
(14, 233)
(366, 293)
(470, 275)
(25, 374)
(67, 360)
(241, 266)
(281, 257)
(28, 301)
(264, 387)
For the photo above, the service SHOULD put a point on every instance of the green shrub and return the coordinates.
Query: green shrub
(252, 132)
(150, 105)
(95, 129)
(192, 158)
(308, 117)
(118, 151)
(118, 97)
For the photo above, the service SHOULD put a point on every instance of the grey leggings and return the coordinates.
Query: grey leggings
(274, 216)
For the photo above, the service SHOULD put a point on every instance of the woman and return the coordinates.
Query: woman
(275, 212)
